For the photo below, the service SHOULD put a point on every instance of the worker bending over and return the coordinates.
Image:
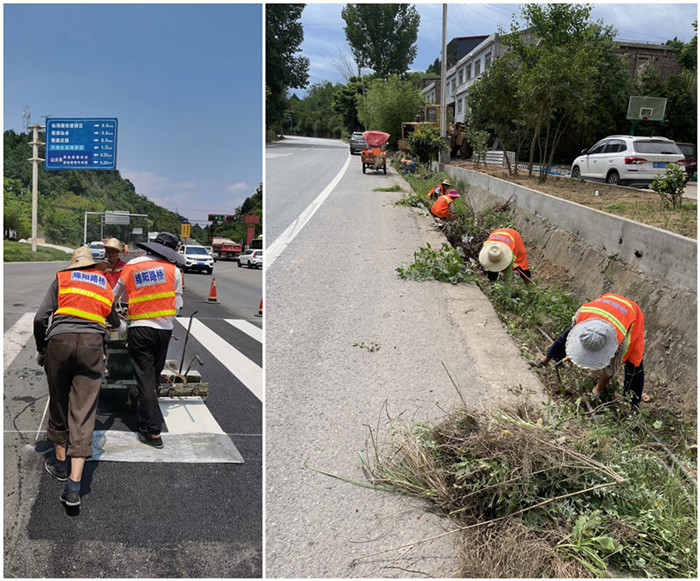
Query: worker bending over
(79, 306)
(504, 247)
(439, 190)
(605, 333)
(444, 207)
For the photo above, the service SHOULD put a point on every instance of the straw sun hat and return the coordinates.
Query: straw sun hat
(591, 344)
(114, 244)
(82, 258)
(495, 256)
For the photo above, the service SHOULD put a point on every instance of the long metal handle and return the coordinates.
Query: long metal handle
(184, 347)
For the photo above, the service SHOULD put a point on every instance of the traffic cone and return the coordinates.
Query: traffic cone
(260, 309)
(212, 291)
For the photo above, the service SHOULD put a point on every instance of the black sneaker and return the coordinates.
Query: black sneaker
(70, 498)
(151, 441)
(60, 474)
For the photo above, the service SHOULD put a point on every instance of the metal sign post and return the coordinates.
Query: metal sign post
(35, 159)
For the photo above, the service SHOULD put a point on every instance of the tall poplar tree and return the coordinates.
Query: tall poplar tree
(284, 69)
(382, 37)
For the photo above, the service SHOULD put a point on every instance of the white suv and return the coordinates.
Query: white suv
(251, 257)
(627, 160)
(196, 258)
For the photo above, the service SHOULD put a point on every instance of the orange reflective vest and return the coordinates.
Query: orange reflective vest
(435, 192)
(441, 208)
(150, 285)
(627, 318)
(85, 294)
(514, 241)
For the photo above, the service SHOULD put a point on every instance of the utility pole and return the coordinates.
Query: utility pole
(35, 159)
(443, 74)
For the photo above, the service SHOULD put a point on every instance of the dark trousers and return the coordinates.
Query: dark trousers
(148, 349)
(634, 375)
(74, 369)
(523, 274)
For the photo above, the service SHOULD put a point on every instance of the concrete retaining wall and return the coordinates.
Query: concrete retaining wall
(652, 251)
(604, 253)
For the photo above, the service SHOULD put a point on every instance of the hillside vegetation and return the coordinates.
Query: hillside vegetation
(65, 196)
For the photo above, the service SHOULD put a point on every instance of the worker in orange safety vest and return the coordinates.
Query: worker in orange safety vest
(70, 331)
(153, 286)
(502, 248)
(444, 207)
(439, 190)
(606, 333)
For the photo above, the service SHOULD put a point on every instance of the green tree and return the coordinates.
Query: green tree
(284, 69)
(382, 36)
(315, 114)
(495, 106)
(387, 103)
(435, 69)
(554, 74)
(345, 102)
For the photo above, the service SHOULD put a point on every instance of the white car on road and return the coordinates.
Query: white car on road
(197, 258)
(251, 257)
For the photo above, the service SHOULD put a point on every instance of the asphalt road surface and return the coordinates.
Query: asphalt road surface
(239, 289)
(193, 509)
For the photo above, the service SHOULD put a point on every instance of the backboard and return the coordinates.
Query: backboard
(646, 108)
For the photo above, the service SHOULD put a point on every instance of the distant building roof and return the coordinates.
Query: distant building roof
(460, 46)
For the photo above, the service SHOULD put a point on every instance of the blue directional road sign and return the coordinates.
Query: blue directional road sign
(81, 143)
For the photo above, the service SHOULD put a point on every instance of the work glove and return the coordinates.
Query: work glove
(123, 327)
(40, 358)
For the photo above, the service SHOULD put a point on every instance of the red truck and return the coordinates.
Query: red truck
(225, 248)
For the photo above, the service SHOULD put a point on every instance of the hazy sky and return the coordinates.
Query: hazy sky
(324, 38)
(184, 81)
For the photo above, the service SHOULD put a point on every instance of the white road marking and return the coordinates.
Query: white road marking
(247, 372)
(16, 337)
(284, 239)
(117, 446)
(188, 415)
(248, 328)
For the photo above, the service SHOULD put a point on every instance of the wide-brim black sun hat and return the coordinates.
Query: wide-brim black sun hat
(164, 245)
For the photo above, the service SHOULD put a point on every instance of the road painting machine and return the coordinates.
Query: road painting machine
(174, 382)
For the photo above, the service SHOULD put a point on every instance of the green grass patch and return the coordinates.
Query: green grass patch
(22, 252)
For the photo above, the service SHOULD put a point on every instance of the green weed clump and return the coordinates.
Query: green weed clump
(446, 265)
(529, 307)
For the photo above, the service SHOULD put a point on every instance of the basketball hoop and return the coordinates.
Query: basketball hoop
(645, 117)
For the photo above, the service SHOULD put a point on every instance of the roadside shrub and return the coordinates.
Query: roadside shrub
(426, 143)
(671, 186)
